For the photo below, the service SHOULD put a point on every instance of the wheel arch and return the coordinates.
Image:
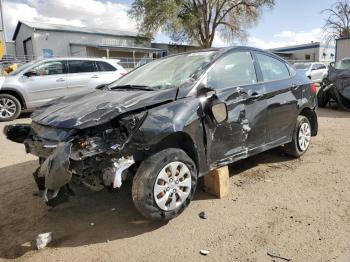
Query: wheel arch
(179, 140)
(16, 94)
(311, 115)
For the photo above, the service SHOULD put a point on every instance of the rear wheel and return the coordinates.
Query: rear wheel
(10, 107)
(164, 184)
(301, 138)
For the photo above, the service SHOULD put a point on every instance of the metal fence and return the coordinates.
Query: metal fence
(131, 63)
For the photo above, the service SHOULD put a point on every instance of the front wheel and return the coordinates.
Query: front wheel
(301, 138)
(164, 184)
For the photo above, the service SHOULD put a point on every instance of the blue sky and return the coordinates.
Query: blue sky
(291, 15)
(289, 22)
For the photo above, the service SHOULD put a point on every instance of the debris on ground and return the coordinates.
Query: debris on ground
(113, 209)
(203, 215)
(92, 224)
(278, 256)
(204, 252)
(43, 240)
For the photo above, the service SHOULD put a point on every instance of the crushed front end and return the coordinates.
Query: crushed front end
(96, 157)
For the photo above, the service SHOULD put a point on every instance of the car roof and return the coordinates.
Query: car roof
(79, 58)
(223, 50)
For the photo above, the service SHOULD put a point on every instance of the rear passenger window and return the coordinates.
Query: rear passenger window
(234, 69)
(272, 68)
(103, 67)
(81, 66)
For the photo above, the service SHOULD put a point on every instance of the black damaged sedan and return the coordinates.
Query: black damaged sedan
(168, 123)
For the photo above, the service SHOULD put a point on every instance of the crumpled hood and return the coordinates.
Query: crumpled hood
(98, 107)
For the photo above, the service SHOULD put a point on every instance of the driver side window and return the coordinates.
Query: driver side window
(50, 68)
(235, 69)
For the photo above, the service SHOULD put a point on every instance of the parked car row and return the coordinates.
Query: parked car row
(38, 82)
(317, 72)
(314, 71)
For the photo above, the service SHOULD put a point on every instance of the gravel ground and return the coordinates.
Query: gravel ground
(296, 209)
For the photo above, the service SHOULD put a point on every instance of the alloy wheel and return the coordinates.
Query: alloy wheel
(7, 108)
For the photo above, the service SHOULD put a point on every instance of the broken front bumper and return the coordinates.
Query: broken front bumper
(93, 162)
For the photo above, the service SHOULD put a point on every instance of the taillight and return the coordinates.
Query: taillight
(313, 88)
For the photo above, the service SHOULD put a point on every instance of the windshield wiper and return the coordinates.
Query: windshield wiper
(137, 87)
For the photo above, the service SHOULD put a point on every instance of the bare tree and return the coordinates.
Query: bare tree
(338, 22)
(198, 20)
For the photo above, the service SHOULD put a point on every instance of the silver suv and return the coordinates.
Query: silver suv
(40, 81)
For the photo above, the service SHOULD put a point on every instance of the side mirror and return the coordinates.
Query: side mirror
(219, 112)
(30, 73)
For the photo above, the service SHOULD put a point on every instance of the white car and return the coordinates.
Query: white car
(314, 71)
(36, 83)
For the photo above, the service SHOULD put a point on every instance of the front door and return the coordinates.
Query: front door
(45, 82)
(234, 79)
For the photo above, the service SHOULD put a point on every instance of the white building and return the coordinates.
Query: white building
(312, 52)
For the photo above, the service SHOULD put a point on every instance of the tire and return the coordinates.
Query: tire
(296, 148)
(322, 97)
(148, 181)
(10, 107)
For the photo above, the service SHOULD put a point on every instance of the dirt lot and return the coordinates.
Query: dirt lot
(298, 209)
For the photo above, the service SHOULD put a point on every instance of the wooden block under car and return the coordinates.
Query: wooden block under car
(217, 182)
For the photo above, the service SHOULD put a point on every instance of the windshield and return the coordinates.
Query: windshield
(22, 68)
(167, 72)
(343, 64)
(301, 65)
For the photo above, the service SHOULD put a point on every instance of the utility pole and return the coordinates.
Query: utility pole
(2, 28)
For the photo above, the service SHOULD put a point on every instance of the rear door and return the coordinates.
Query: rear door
(47, 81)
(234, 79)
(107, 72)
(282, 94)
(317, 72)
(83, 76)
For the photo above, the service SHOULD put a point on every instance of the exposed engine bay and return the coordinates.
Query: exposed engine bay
(96, 157)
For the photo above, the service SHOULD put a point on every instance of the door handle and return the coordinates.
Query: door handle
(94, 76)
(255, 96)
(60, 79)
